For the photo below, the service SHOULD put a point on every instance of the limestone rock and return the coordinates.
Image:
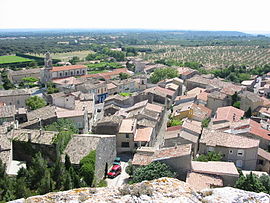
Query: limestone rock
(156, 191)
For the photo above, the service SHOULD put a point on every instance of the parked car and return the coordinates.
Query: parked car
(117, 161)
(115, 171)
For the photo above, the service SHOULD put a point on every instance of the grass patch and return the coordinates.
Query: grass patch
(13, 59)
(96, 71)
(125, 94)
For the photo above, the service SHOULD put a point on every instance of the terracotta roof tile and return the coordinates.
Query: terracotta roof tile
(229, 113)
(143, 134)
(218, 138)
(63, 68)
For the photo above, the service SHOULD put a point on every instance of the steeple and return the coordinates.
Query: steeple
(48, 61)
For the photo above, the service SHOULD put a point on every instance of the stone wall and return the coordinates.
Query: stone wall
(105, 155)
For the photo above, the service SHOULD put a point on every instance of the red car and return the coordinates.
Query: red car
(115, 171)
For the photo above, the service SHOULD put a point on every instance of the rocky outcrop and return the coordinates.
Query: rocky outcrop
(160, 190)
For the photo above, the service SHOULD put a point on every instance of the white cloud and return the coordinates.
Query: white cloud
(240, 15)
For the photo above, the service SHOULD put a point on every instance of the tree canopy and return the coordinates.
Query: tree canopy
(163, 73)
(210, 156)
(35, 102)
(152, 171)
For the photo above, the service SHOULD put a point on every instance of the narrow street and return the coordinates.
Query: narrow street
(123, 177)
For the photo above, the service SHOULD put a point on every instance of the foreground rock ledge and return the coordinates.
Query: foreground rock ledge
(160, 190)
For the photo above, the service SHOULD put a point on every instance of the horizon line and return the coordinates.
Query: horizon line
(144, 29)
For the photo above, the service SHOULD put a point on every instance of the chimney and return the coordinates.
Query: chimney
(29, 136)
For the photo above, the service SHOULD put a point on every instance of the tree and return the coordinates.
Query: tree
(67, 162)
(123, 76)
(265, 180)
(35, 102)
(74, 60)
(210, 156)
(250, 182)
(237, 104)
(130, 168)
(152, 171)
(87, 167)
(206, 122)
(162, 74)
(248, 113)
(37, 170)
(67, 182)
(46, 183)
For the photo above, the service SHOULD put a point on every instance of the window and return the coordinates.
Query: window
(78, 72)
(60, 74)
(230, 151)
(18, 101)
(125, 144)
(260, 162)
(239, 163)
(66, 73)
(83, 71)
(71, 73)
(240, 152)
(211, 149)
(127, 135)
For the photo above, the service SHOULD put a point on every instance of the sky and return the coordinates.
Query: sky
(235, 15)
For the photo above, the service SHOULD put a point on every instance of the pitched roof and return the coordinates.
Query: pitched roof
(195, 91)
(154, 107)
(160, 91)
(201, 111)
(229, 113)
(80, 145)
(15, 92)
(63, 68)
(37, 136)
(128, 125)
(143, 134)
(67, 81)
(189, 125)
(218, 138)
(145, 156)
(199, 181)
(215, 167)
(42, 113)
(264, 154)
(7, 111)
(25, 71)
(203, 96)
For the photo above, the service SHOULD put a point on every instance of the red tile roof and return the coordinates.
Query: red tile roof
(229, 113)
(174, 128)
(63, 68)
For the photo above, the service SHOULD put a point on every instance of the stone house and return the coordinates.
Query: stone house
(178, 158)
(250, 99)
(263, 163)
(81, 145)
(251, 129)
(184, 99)
(225, 170)
(188, 133)
(7, 113)
(125, 137)
(97, 88)
(186, 72)
(238, 149)
(183, 110)
(200, 112)
(15, 97)
(217, 99)
(228, 114)
(17, 76)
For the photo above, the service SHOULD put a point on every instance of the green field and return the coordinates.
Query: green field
(13, 59)
(97, 71)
